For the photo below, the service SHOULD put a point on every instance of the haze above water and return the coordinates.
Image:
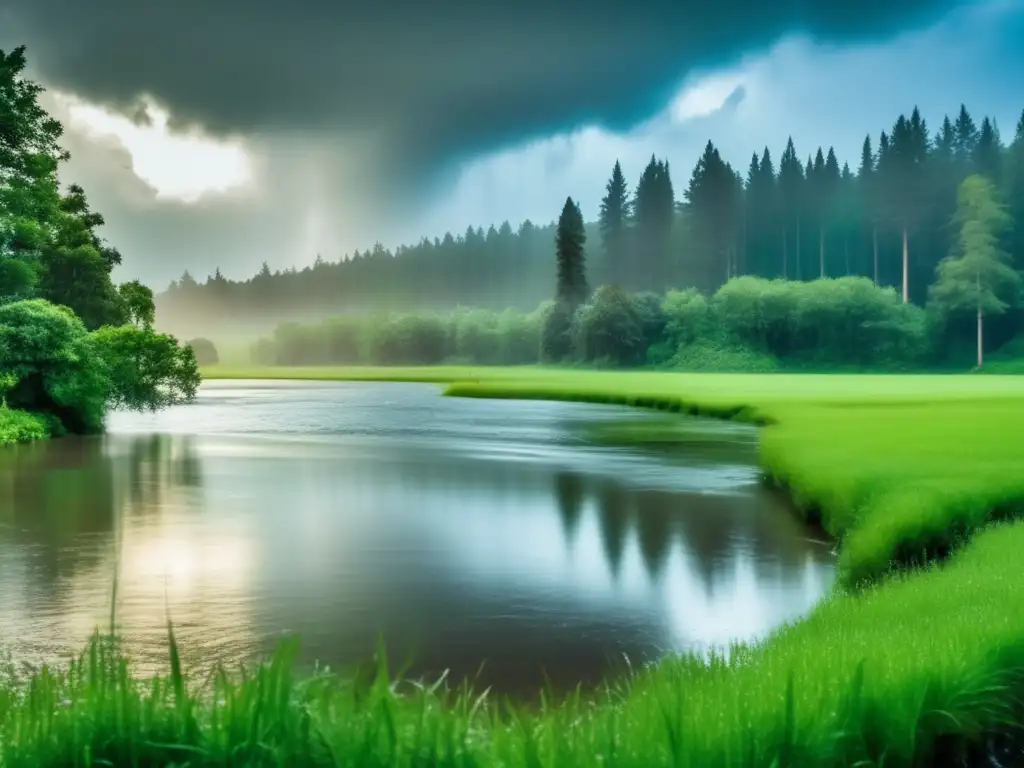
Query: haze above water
(514, 535)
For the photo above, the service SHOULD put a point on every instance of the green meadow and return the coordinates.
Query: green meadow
(917, 658)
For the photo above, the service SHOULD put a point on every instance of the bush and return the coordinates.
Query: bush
(205, 351)
(556, 333)
(410, 340)
(687, 317)
(51, 365)
(21, 426)
(704, 356)
(609, 329)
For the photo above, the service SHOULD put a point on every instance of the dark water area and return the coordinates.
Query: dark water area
(511, 542)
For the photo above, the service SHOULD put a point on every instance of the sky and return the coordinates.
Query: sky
(227, 134)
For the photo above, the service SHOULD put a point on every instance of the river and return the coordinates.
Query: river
(509, 541)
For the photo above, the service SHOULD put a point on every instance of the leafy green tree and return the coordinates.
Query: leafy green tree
(977, 276)
(53, 361)
(206, 352)
(137, 301)
(570, 256)
(614, 222)
(147, 370)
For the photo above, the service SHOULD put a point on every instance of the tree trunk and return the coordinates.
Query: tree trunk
(981, 346)
(874, 244)
(846, 253)
(821, 249)
(906, 265)
(799, 271)
(785, 254)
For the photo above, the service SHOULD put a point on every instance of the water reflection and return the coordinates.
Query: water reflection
(519, 546)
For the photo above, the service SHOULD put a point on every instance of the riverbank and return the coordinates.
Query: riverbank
(914, 668)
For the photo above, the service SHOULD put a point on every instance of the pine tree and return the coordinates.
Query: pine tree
(790, 191)
(977, 276)
(570, 239)
(613, 222)
(903, 173)
(966, 139)
(867, 194)
(654, 211)
(988, 160)
(1015, 194)
(767, 206)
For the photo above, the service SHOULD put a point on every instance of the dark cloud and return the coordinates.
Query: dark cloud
(431, 81)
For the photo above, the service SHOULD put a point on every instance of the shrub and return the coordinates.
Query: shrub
(410, 340)
(556, 333)
(148, 370)
(704, 356)
(205, 351)
(686, 317)
(609, 328)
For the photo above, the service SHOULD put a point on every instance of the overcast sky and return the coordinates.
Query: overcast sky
(229, 133)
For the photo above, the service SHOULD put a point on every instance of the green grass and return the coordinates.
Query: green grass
(919, 670)
(20, 426)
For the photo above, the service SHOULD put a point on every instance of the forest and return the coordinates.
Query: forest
(72, 343)
(890, 217)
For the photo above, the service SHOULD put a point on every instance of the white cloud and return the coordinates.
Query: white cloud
(183, 166)
(820, 94)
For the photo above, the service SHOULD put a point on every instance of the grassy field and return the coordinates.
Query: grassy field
(920, 666)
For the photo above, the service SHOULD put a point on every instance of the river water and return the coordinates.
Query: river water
(511, 542)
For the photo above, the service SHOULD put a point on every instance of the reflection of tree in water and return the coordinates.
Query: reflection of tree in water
(711, 526)
(613, 511)
(570, 492)
(654, 516)
(62, 496)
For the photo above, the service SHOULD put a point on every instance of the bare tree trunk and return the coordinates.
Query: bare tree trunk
(821, 249)
(799, 270)
(785, 254)
(874, 243)
(981, 346)
(906, 265)
(846, 252)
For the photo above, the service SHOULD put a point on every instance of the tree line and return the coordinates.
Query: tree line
(886, 216)
(72, 343)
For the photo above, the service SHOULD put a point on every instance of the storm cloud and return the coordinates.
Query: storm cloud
(430, 82)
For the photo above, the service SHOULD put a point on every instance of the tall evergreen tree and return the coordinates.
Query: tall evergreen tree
(966, 143)
(570, 241)
(654, 211)
(904, 175)
(790, 197)
(867, 194)
(1015, 194)
(988, 153)
(613, 222)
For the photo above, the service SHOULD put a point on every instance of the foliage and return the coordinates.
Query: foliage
(556, 341)
(148, 370)
(614, 225)
(705, 356)
(205, 351)
(55, 364)
(21, 426)
(608, 329)
(137, 300)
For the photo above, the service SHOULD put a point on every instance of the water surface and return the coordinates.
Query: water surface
(516, 535)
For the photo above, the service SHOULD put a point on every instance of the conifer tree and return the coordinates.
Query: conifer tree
(570, 240)
(613, 222)
(867, 200)
(988, 159)
(790, 191)
(654, 211)
(1015, 194)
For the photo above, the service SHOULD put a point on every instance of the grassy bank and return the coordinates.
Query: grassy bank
(920, 670)
(20, 427)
